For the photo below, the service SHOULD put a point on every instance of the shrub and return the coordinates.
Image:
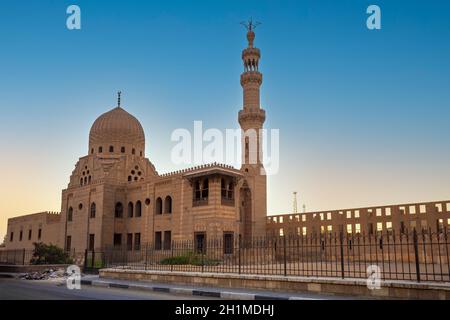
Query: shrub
(190, 258)
(49, 254)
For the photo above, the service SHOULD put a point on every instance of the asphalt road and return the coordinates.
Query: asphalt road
(17, 289)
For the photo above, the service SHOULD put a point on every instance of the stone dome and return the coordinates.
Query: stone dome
(116, 131)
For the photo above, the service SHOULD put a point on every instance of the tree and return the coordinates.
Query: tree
(49, 254)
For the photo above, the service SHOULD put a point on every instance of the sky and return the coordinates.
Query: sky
(363, 114)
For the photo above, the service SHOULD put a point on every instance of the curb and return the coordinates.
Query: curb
(227, 295)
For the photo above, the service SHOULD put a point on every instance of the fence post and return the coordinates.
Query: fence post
(203, 255)
(416, 254)
(93, 259)
(171, 256)
(341, 240)
(239, 252)
(146, 256)
(284, 256)
(85, 258)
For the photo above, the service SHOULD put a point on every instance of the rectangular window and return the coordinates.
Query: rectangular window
(68, 243)
(330, 228)
(281, 232)
(379, 226)
(298, 231)
(356, 213)
(321, 216)
(412, 209)
(438, 207)
(349, 214)
(297, 218)
(303, 217)
(137, 241)
(379, 212)
(20, 235)
(423, 208)
(448, 206)
(370, 227)
(91, 242)
(158, 240)
(167, 240)
(39, 234)
(322, 229)
(117, 240)
(448, 221)
(129, 241)
(200, 242)
(11, 237)
(349, 228)
(402, 210)
(30, 232)
(328, 215)
(387, 211)
(440, 224)
(281, 219)
(389, 225)
(228, 240)
(357, 228)
(304, 230)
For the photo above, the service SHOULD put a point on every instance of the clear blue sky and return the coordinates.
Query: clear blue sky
(363, 115)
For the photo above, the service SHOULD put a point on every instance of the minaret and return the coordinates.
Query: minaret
(252, 116)
(251, 119)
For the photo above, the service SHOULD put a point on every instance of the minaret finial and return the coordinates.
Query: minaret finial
(118, 98)
(250, 26)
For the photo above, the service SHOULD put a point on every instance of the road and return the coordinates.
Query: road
(16, 289)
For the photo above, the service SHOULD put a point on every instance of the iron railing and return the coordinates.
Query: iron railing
(413, 256)
(25, 257)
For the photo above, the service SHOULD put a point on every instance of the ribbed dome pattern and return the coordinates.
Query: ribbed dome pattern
(116, 126)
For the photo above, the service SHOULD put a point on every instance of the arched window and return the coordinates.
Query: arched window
(223, 187)
(111, 149)
(70, 214)
(133, 151)
(85, 180)
(122, 149)
(81, 181)
(118, 212)
(130, 210)
(168, 205)
(205, 189)
(93, 209)
(138, 209)
(100, 149)
(197, 191)
(92, 150)
(230, 191)
(158, 206)
(89, 179)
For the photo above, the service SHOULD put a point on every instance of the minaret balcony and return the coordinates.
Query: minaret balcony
(251, 77)
(258, 115)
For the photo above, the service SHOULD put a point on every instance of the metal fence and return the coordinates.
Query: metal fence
(25, 257)
(415, 256)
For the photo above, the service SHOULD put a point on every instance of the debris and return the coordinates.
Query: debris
(45, 274)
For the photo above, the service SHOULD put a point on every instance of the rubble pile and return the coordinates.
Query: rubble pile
(45, 275)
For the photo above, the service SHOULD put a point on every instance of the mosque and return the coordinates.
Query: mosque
(115, 196)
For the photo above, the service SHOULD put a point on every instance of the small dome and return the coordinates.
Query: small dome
(117, 127)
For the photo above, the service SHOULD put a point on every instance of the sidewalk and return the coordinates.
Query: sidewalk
(223, 293)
